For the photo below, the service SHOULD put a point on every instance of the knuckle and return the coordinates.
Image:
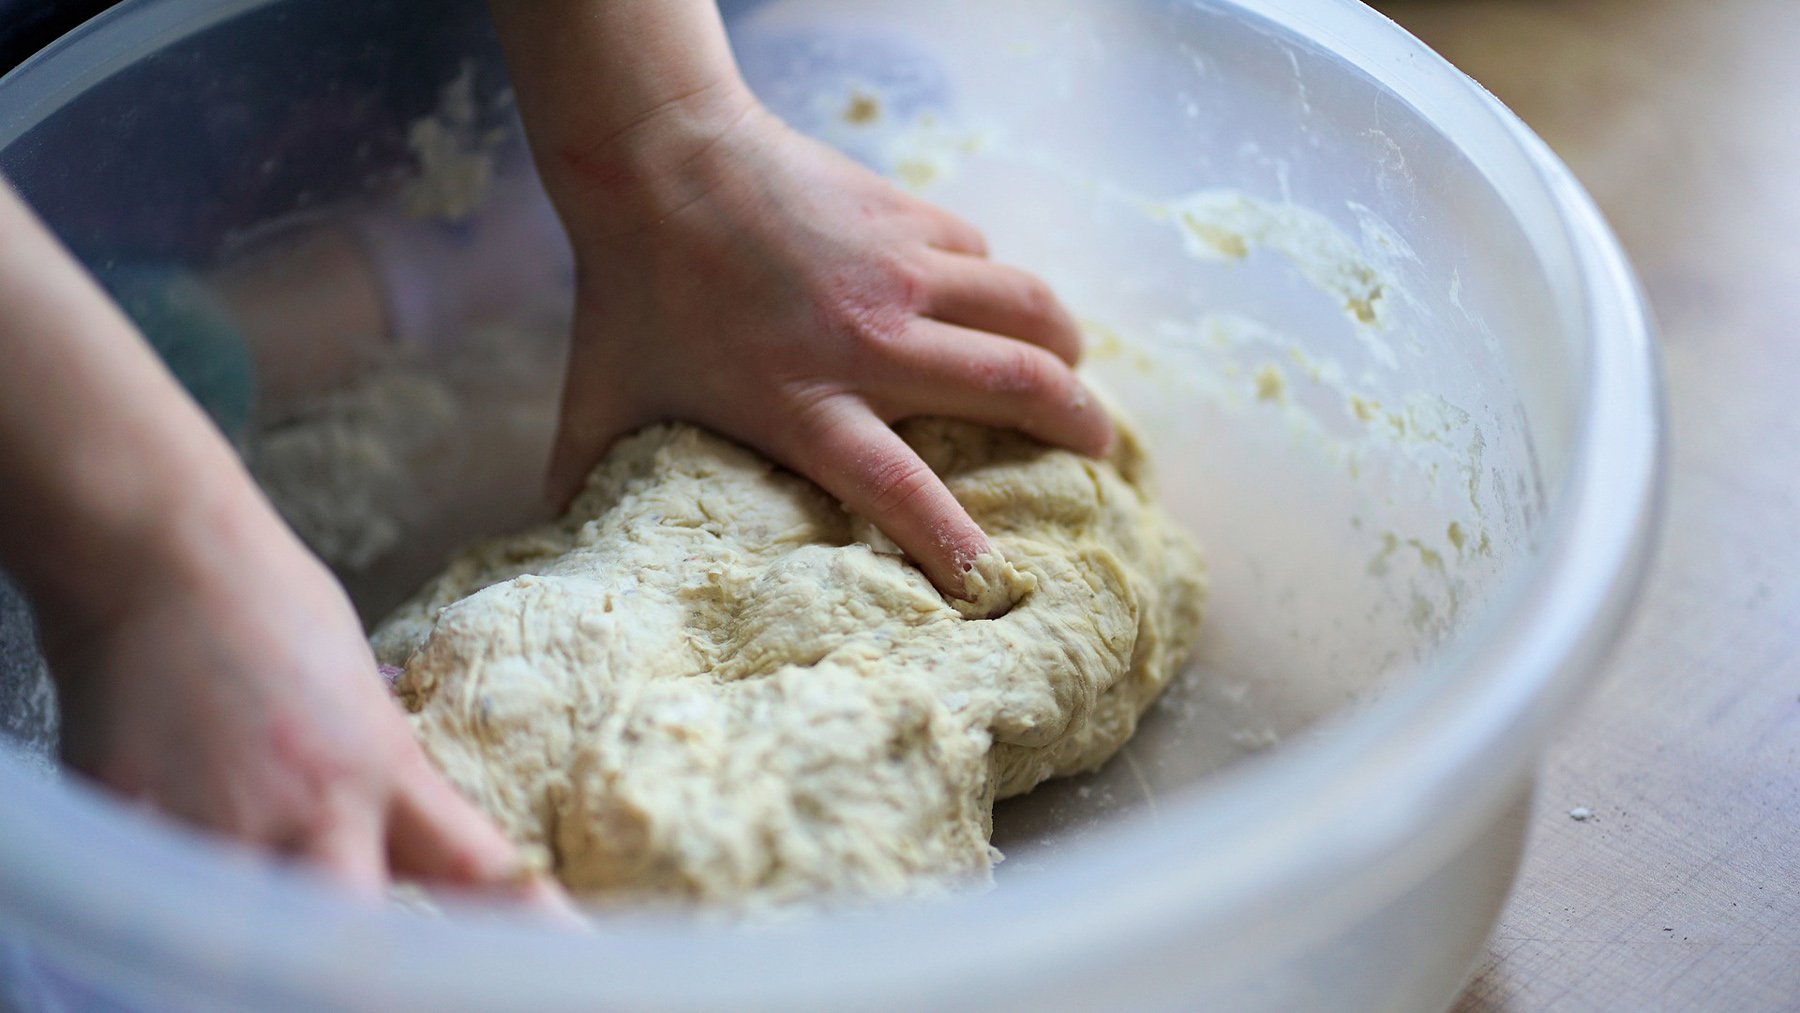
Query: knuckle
(808, 416)
(1021, 370)
(869, 315)
(908, 281)
(969, 236)
(1038, 300)
(871, 335)
(896, 482)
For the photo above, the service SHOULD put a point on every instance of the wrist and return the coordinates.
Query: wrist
(633, 180)
(618, 98)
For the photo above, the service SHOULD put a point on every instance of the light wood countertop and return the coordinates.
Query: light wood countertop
(1682, 890)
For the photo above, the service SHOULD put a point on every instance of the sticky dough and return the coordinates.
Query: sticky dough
(709, 682)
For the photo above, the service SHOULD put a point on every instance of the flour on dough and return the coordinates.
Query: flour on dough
(706, 683)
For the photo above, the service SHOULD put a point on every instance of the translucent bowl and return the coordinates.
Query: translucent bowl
(1394, 368)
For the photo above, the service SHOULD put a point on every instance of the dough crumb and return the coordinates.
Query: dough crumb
(1581, 814)
(992, 586)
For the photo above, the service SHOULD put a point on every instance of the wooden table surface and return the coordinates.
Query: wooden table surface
(1682, 891)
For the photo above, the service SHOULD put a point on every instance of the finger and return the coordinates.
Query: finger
(437, 836)
(941, 369)
(946, 231)
(858, 459)
(587, 426)
(347, 843)
(985, 296)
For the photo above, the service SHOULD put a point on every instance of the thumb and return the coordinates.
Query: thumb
(591, 418)
(347, 842)
(437, 837)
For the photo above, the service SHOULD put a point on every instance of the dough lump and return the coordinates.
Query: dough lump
(709, 682)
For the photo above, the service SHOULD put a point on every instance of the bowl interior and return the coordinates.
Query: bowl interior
(1336, 290)
(1353, 353)
(1356, 381)
(1335, 335)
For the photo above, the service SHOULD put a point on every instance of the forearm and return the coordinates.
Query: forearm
(107, 464)
(617, 97)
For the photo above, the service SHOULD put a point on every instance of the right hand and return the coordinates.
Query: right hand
(778, 293)
(734, 274)
(230, 686)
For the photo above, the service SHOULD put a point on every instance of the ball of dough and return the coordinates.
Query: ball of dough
(708, 682)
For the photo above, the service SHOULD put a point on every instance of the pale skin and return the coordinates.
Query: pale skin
(730, 273)
(206, 663)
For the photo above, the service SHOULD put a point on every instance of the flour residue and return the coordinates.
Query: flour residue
(455, 151)
(340, 469)
(1230, 225)
(416, 442)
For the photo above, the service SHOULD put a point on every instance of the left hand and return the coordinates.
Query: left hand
(224, 679)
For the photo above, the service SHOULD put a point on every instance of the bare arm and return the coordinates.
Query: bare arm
(108, 464)
(618, 97)
(205, 662)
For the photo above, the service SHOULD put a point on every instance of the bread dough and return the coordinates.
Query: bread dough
(709, 682)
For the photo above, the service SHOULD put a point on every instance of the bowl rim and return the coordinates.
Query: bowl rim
(1231, 848)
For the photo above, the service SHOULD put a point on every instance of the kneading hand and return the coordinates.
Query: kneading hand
(800, 303)
(205, 663)
(234, 689)
(734, 273)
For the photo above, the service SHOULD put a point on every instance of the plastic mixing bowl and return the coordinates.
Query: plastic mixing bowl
(1393, 367)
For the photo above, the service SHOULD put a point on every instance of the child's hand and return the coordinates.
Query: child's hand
(734, 273)
(205, 662)
(230, 685)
